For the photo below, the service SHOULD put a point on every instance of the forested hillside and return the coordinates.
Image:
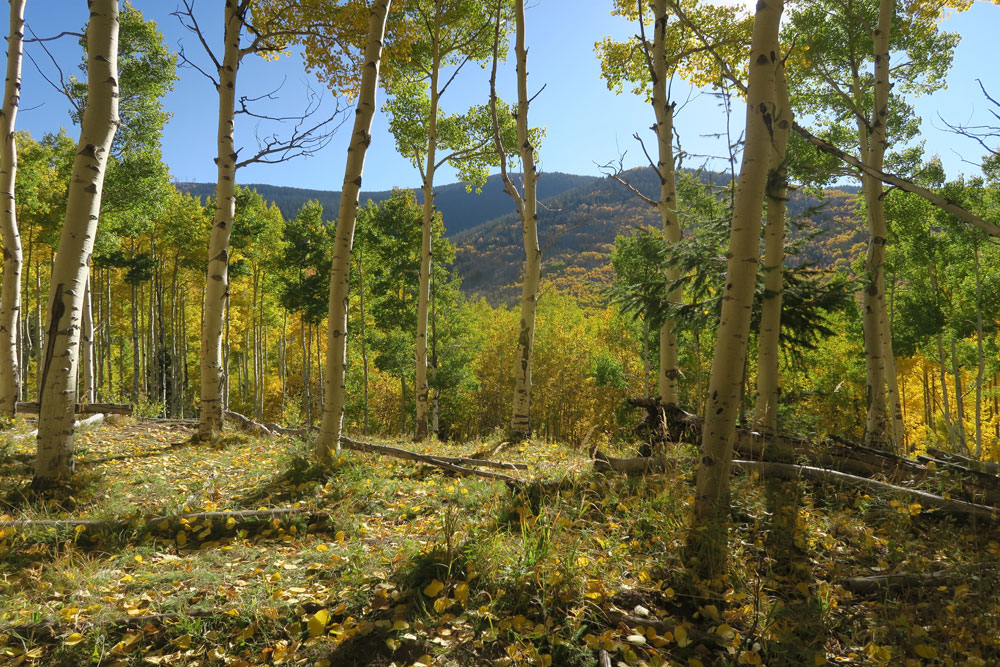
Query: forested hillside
(461, 208)
(577, 230)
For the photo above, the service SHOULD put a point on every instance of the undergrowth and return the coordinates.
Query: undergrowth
(388, 562)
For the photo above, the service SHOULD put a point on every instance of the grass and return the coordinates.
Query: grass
(414, 566)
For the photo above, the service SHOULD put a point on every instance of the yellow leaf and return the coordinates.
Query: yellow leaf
(393, 644)
(681, 636)
(230, 522)
(462, 592)
(322, 547)
(441, 605)
(339, 537)
(925, 651)
(433, 589)
(73, 639)
(181, 538)
(317, 624)
(138, 559)
(183, 642)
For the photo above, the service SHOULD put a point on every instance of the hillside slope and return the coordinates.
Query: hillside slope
(461, 209)
(577, 230)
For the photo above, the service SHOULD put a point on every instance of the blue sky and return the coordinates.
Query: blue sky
(586, 125)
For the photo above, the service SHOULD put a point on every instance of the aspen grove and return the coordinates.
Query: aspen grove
(728, 394)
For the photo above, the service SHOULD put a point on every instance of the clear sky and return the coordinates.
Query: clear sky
(586, 125)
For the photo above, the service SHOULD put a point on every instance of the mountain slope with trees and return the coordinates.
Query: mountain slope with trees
(460, 208)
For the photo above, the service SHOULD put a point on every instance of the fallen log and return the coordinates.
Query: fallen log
(370, 448)
(248, 424)
(54, 628)
(926, 500)
(281, 430)
(973, 464)
(983, 479)
(677, 425)
(637, 465)
(897, 582)
(237, 515)
(31, 408)
(903, 581)
(89, 421)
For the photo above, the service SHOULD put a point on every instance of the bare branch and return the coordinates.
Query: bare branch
(62, 87)
(54, 37)
(497, 139)
(187, 62)
(301, 141)
(616, 172)
(193, 26)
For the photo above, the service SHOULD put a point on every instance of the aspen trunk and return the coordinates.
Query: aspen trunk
(708, 537)
(331, 427)
(10, 295)
(766, 409)
(282, 369)
(520, 423)
(364, 344)
(421, 394)
(663, 109)
(87, 345)
(646, 391)
(980, 356)
(306, 370)
(894, 400)
(878, 430)
(57, 397)
(956, 370)
(213, 373)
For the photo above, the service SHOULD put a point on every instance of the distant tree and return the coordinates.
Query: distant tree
(649, 63)
(451, 34)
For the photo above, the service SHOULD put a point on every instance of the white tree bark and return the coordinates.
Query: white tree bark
(722, 405)
(213, 370)
(331, 426)
(422, 392)
(10, 294)
(664, 110)
(766, 410)
(87, 345)
(520, 423)
(54, 460)
(878, 345)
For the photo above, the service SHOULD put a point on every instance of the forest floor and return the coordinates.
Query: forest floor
(391, 562)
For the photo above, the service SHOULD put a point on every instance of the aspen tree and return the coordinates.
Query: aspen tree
(10, 295)
(451, 34)
(878, 344)
(217, 284)
(766, 411)
(651, 65)
(663, 107)
(708, 534)
(331, 426)
(58, 377)
(520, 423)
